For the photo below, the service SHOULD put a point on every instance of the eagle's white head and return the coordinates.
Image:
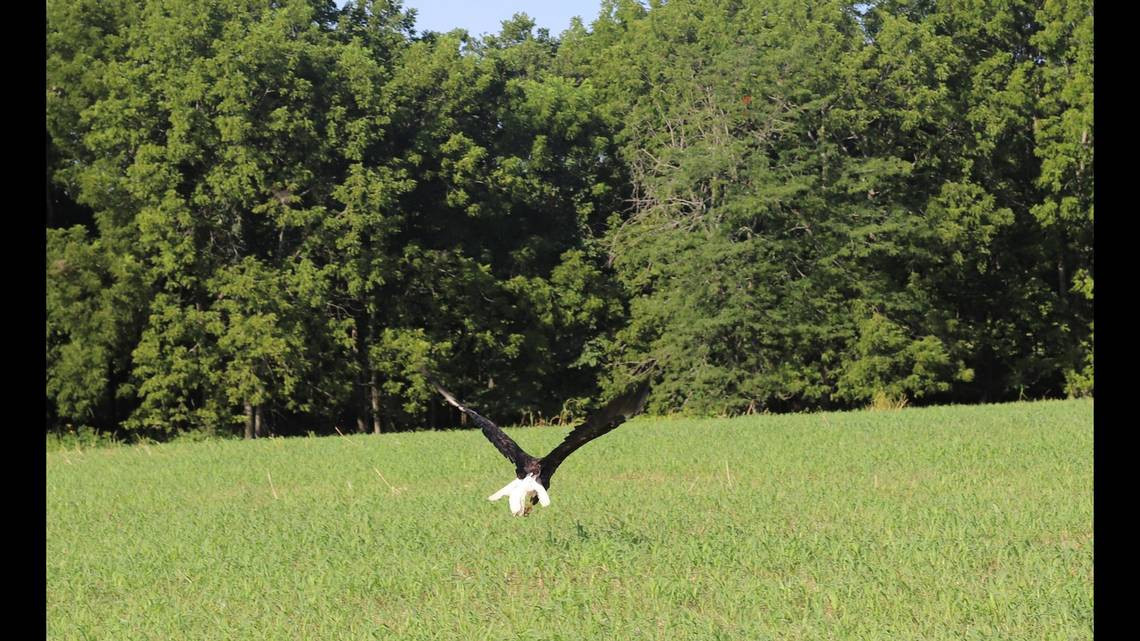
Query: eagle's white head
(519, 492)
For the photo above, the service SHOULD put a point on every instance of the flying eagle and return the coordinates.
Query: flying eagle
(533, 474)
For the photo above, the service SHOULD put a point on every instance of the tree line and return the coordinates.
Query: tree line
(269, 216)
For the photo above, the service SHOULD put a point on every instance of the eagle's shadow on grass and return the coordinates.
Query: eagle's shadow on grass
(612, 531)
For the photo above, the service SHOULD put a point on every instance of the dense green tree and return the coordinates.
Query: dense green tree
(93, 318)
(302, 186)
(957, 87)
(268, 217)
(744, 201)
(1063, 129)
(512, 188)
(96, 285)
(871, 168)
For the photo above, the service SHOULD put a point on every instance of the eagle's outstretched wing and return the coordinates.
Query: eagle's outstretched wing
(601, 421)
(505, 444)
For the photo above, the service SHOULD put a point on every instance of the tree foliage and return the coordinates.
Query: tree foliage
(269, 217)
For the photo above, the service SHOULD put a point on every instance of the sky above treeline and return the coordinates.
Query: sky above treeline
(485, 16)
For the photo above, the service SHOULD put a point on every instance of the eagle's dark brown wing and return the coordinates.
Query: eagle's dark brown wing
(494, 433)
(601, 421)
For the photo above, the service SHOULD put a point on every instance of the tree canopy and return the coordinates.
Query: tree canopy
(268, 217)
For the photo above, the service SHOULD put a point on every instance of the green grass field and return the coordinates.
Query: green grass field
(937, 523)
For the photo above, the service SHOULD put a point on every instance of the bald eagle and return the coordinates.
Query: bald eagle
(533, 474)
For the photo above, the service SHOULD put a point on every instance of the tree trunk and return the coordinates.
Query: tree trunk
(257, 422)
(375, 405)
(248, 420)
(360, 394)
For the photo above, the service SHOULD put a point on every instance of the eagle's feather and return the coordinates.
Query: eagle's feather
(505, 444)
(596, 424)
(533, 475)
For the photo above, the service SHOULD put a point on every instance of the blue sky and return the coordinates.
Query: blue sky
(485, 16)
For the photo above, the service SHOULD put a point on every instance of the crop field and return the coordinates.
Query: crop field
(931, 523)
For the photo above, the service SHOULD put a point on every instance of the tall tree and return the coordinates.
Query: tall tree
(266, 217)
(1063, 128)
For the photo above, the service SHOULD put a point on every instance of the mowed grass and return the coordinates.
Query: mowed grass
(935, 523)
